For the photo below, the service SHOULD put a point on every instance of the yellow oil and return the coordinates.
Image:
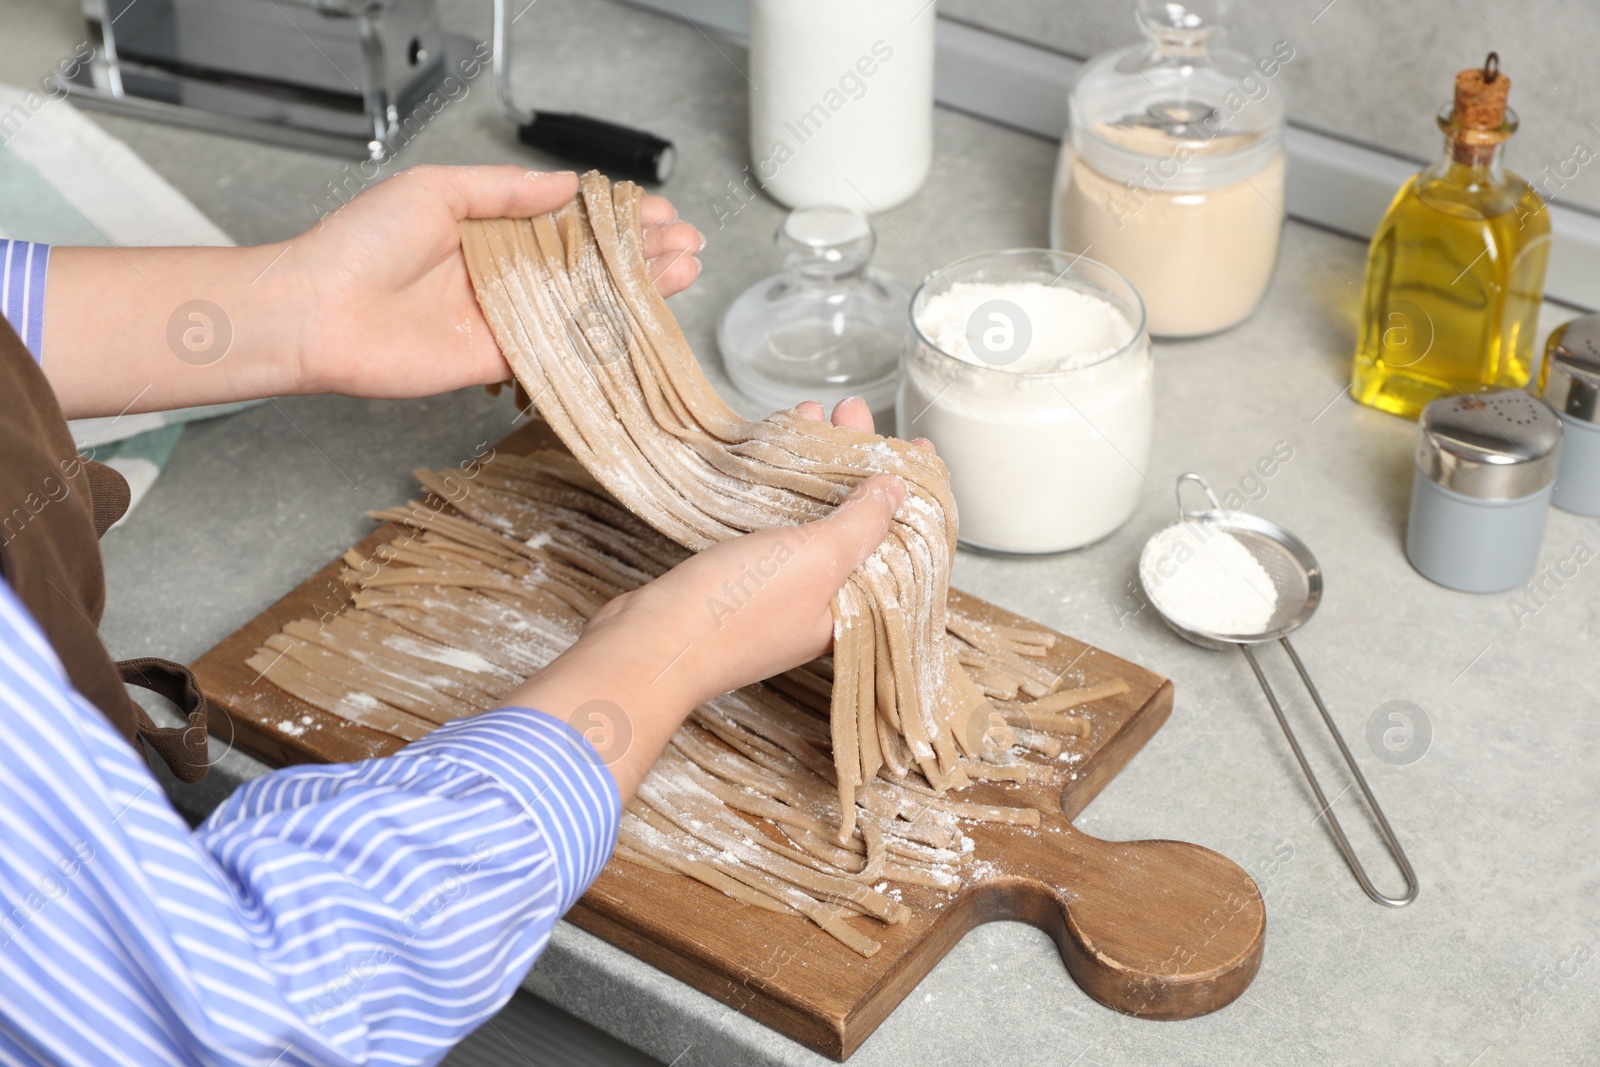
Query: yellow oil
(1455, 276)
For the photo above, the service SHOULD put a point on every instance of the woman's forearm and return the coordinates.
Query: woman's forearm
(619, 688)
(146, 329)
(374, 300)
(651, 656)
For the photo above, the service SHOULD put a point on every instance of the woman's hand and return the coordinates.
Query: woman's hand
(757, 605)
(736, 613)
(374, 300)
(390, 310)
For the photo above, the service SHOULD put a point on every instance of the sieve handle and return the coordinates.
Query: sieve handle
(1184, 514)
(1325, 806)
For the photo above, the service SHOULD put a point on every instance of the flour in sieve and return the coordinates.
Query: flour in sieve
(1203, 578)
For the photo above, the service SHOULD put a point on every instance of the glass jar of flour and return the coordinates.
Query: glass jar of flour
(1172, 170)
(1031, 374)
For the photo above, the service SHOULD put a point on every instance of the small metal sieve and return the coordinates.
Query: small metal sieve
(1297, 587)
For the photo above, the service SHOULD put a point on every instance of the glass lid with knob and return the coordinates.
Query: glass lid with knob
(1179, 111)
(825, 328)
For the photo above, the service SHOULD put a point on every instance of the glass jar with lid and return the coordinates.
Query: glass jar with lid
(827, 327)
(1172, 170)
(1031, 374)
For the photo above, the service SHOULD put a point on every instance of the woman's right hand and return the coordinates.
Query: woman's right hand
(738, 612)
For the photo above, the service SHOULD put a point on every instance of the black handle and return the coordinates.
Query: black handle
(620, 151)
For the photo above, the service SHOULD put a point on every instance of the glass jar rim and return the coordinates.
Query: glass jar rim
(1137, 321)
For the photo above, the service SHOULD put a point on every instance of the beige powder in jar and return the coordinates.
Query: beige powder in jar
(1201, 259)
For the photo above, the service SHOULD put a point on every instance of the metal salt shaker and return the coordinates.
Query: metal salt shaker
(1570, 382)
(1485, 473)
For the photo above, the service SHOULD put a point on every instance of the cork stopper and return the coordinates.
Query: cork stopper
(1481, 95)
(1478, 118)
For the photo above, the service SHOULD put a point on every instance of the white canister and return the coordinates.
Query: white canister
(841, 100)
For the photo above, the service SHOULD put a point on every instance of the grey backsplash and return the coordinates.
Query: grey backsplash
(1376, 71)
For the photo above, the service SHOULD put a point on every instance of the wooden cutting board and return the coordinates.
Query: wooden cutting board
(1161, 929)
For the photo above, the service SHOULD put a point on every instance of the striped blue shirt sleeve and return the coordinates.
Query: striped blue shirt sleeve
(23, 266)
(367, 913)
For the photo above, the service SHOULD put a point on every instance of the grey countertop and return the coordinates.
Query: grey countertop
(1495, 962)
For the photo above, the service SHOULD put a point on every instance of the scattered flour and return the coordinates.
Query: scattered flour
(460, 659)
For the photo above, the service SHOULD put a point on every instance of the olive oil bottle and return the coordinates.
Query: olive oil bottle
(1455, 273)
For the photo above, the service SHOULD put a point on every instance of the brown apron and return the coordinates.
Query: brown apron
(54, 505)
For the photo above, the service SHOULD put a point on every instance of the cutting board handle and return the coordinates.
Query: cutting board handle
(1159, 929)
